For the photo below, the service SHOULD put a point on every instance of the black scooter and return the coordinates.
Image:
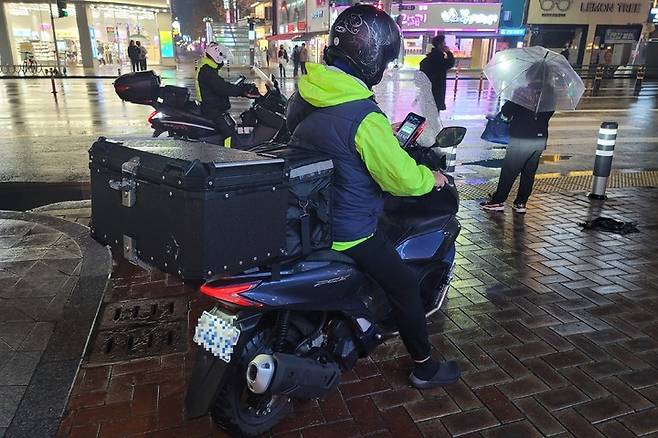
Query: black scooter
(180, 116)
(278, 334)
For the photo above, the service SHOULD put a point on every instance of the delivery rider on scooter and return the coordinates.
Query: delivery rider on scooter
(213, 92)
(335, 112)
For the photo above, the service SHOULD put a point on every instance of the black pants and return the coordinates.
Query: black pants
(282, 70)
(304, 68)
(142, 64)
(295, 69)
(226, 129)
(521, 157)
(378, 258)
(135, 64)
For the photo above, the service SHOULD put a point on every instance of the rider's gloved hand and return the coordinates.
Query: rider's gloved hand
(440, 179)
(250, 90)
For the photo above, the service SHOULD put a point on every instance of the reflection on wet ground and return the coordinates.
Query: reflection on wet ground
(496, 163)
(43, 140)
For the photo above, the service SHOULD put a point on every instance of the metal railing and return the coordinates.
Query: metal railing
(28, 69)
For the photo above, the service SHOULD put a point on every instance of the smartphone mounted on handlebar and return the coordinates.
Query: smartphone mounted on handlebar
(410, 129)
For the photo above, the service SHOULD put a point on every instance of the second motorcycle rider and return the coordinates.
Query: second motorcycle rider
(334, 110)
(213, 92)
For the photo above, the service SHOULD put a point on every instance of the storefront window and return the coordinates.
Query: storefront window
(292, 16)
(115, 26)
(614, 45)
(30, 32)
(568, 40)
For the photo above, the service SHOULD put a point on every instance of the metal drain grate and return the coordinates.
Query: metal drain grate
(137, 342)
(141, 328)
(144, 311)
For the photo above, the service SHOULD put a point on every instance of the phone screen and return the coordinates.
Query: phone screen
(408, 128)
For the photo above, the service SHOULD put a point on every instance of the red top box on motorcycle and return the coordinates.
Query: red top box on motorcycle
(191, 209)
(139, 87)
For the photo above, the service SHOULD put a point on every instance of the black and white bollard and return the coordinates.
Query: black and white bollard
(451, 158)
(605, 148)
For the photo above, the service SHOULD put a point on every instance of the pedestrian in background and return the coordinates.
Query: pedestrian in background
(303, 58)
(282, 57)
(142, 55)
(267, 56)
(528, 139)
(100, 50)
(108, 54)
(133, 55)
(295, 60)
(436, 65)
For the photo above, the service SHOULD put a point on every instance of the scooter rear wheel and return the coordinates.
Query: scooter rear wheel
(236, 408)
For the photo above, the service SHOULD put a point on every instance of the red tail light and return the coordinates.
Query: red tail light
(150, 117)
(231, 293)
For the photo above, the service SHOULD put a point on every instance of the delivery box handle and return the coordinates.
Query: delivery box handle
(183, 169)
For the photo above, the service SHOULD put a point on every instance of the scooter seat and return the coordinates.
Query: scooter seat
(420, 224)
(329, 255)
(399, 226)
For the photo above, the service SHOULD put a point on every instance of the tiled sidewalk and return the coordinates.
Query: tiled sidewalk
(52, 279)
(556, 330)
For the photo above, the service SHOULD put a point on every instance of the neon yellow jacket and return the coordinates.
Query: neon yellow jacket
(389, 165)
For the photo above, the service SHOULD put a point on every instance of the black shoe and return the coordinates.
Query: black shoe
(520, 207)
(492, 206)
(447, 374)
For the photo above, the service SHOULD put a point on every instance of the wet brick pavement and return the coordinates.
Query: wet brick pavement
(52, 279)
(556, 331)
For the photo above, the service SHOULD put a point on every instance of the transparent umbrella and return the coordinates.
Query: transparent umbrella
(535, 78)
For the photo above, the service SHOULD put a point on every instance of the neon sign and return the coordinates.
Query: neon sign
(415, 20)
(465, 16)
(512, 31)
(455, 16)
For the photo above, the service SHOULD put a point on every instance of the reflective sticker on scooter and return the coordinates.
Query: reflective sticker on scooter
(217, 334)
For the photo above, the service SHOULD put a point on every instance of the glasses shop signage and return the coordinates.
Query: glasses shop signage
(447, 16)
(587, 12)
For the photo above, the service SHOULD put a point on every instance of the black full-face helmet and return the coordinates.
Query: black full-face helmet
(366, 39)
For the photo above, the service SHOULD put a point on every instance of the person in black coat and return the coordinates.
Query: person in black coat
(528, 139)
(436, 65)
(133, 55)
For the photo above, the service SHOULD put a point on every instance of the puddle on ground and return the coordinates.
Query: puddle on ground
(554, 158)
(498, 163)
(493, 164)
(476, 181)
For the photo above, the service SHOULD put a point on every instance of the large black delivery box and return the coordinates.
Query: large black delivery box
(200, 210)
(192, 209)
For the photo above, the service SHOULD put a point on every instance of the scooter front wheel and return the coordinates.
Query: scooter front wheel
(240, 411)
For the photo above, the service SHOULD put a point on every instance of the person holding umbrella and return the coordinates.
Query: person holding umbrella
(535, 82)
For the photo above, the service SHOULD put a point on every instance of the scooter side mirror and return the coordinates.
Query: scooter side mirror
(450, 137)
